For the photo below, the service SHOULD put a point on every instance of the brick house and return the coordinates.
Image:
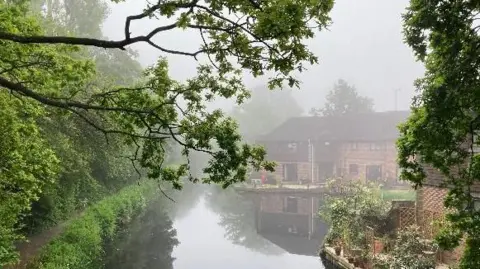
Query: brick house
(313, 149)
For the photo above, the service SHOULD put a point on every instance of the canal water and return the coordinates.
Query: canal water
(211, 240)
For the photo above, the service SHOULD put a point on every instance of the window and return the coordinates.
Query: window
(374, 172)
(292, 147)
(476, 144)
(353, 169)
(476, 204)
(376, 146)
(354, 146)
(291, 205)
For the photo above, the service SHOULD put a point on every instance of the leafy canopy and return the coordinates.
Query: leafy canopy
(260, 37)
(444, 124)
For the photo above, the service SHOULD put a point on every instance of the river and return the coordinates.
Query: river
(212, 229)
(204, 243)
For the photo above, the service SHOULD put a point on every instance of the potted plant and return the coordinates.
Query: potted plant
(378, 245)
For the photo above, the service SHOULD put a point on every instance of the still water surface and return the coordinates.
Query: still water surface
(203, 245)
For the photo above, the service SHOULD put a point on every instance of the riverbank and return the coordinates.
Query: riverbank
(332, 261)
(81, 243)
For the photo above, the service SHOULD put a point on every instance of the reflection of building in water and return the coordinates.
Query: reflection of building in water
(290, 220)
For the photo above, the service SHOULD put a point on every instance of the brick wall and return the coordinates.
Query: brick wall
(435, 178)
(430, 208)
(362, 155)
(304, 171)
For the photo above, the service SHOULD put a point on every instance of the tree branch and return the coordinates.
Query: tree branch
(18, 87)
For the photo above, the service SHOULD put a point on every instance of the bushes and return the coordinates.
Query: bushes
(82, 243)
(410, 251)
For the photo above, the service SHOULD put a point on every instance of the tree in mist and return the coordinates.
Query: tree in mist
(343, 99)
(237, 217)
(52, 70)
(265, 110)
(442, 131)
(82, 118)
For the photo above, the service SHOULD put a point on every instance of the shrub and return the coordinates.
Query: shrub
(410, 251)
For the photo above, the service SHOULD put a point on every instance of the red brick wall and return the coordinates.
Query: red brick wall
(429, 208)
(363, 155)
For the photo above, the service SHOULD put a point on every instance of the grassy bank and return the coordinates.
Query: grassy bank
(82, 244)
(406, 195)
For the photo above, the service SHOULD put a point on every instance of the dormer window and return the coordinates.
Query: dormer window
(292, 147)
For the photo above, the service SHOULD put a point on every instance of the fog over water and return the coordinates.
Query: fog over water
(364, 46)
(203, 245)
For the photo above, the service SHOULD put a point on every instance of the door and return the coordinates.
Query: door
(290, 172)
(325, 171)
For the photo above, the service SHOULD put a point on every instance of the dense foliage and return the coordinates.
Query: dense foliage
(84, 241)
(348, 214)
(410, 250)
(267, 37)
(80, 119)
(343, 99)
(443, 128)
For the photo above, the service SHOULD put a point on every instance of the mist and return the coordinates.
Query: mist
(364, 46)
(145, 180)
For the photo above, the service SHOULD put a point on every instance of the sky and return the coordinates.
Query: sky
(364, 45)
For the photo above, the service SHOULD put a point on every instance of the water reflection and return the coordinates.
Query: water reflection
(147, 244)
(237, 217)
(222, 229)
(221, 233)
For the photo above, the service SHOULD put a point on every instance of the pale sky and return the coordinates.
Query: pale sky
(364, 46)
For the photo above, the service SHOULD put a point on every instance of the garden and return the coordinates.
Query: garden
(363, 231)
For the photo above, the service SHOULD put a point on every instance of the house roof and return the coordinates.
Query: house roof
(294, 244)
(373, 126)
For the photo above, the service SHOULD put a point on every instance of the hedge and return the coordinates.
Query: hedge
(83, 242)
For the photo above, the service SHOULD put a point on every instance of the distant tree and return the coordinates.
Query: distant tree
(343, 99)
(265, 110)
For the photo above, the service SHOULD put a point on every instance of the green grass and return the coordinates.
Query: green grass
(82, 244)
(406, 195)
